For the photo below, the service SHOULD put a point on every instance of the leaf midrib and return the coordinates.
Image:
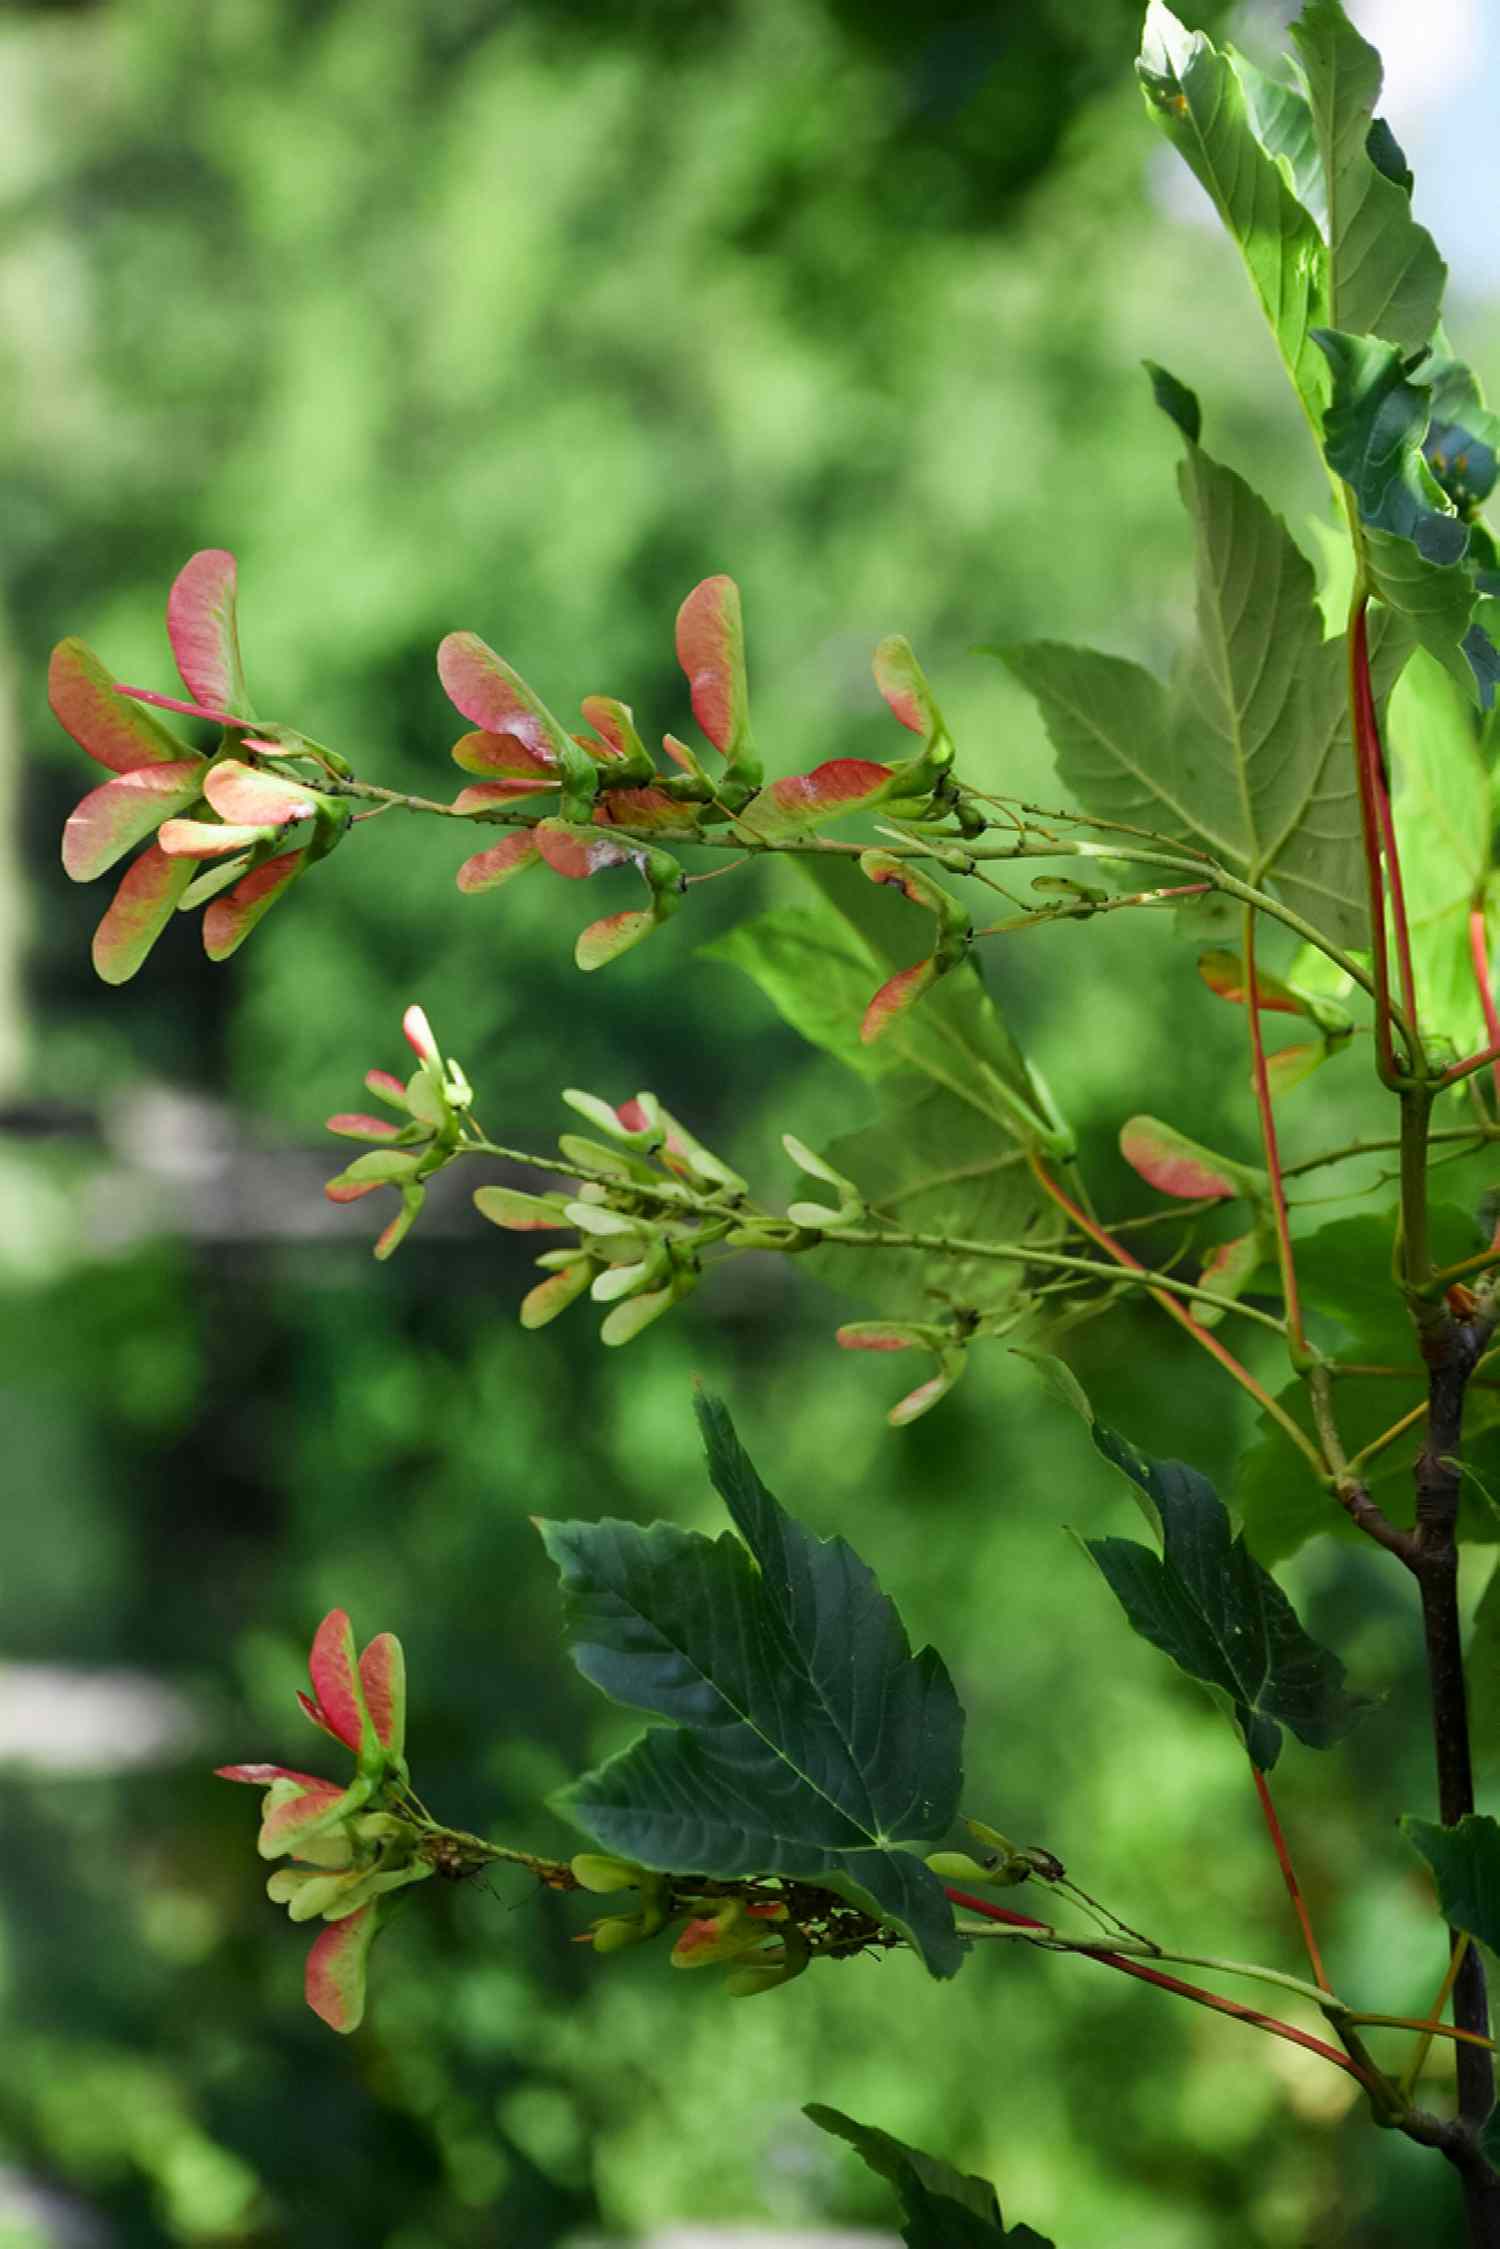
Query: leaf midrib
(745, 1719)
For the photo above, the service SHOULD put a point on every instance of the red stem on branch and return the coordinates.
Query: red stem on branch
(1479, 953)
(1267, 1115)
(1180, 1314)
(1289, 1876)
(1195, 1992)
(1369, 771)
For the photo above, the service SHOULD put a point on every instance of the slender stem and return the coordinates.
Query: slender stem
(1046, 1938)
(1434, 2023)
(1362, 712)
(1289, 1876)
(1416, 1247)
(1481, 1263)
(1115, 1958)
(1429, 2030)
(1479, 954)
(1397, 1430)
(1486, 1058)
(1262, 1083)
(957, 853)
(1021, 1253)
(1382, 794)
(1200, 1334)
(1478, 1133)
(678, 1196)
(1085, 910)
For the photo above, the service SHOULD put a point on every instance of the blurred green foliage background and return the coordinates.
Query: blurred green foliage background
(524, 318)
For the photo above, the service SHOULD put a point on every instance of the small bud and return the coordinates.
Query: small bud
(593, 1871)
(957, 1866)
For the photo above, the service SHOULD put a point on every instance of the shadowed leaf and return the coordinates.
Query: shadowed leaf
(943, 2208)
(1208, 1604)
(1465, 1862)
(1172, 1163)
(1354, 1314)
(556, 1293)
(229, 921)
(382, 1167)
(507, 756)
(803, 1737)
(604, 941)
(818, 963)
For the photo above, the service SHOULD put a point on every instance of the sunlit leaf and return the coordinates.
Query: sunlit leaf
(1195, 97)
(334, 1982)
(116, 732)
(204, 635)
(114, 818)
(495, 865)
(711, 651)
(491, 693)
(243, 793)
(1281, 120)
(803, 1737)
(350, 1125)
(1248, 754)
(903, 683)
(1385, 277)
(138, 913)
(382, 1673)
(802, 801)
(1441, 800)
